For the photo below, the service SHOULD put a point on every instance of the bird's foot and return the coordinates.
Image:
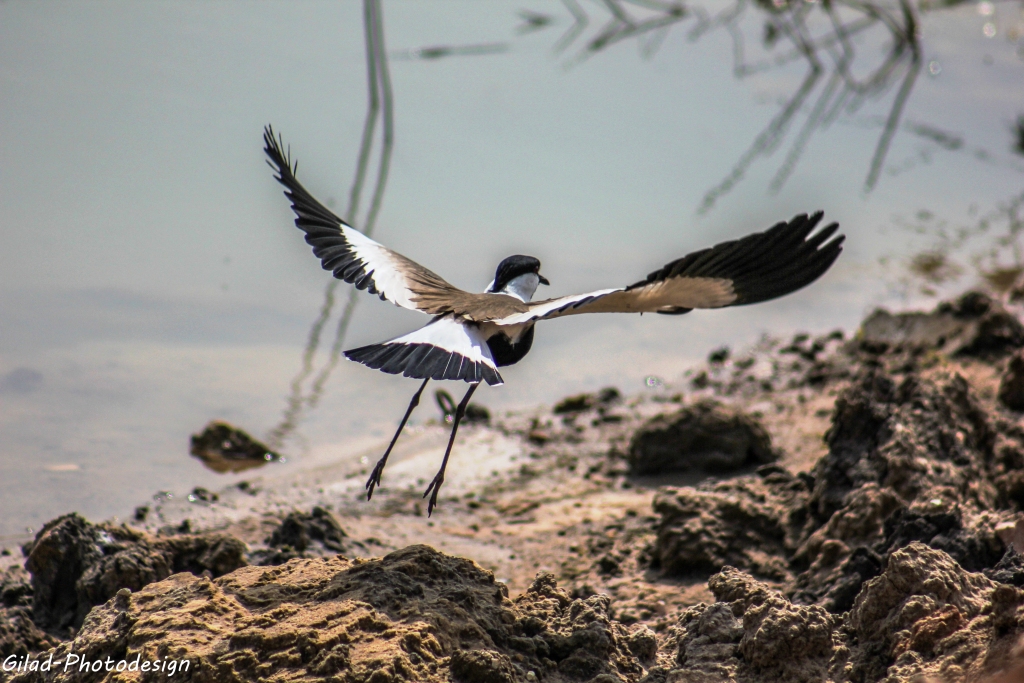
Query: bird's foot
(432, 490)
(374, 479)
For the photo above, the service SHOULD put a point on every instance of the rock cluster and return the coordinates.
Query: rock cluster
(413, 615)
(923, 616)
(76, 565)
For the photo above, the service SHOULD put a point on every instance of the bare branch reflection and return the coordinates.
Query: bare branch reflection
(380, 106)
(821, 34)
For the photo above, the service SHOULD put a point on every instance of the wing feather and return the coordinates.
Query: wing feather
(755, 268)
(351, 255)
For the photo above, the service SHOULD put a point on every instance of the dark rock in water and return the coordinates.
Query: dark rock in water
(719, 355)
(741, 522)
(302, 535)
(202, 495)
(706, 436)
(413, 615)
(1011, 386)
(583, 402)
(226, 448)
(76, 565)
(974, 325)
(475, 414)
(19, 635)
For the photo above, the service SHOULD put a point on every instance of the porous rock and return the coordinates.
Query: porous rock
(974, 548)
(413, 615)
(739, 522)
(705, 436)
(76, 565)
(1009, 569)
(923, 618)
(926, 616)
(910, 459)
(302, 534)
(752, 633)
(914, 438)
(19, 635)
(1011, 386)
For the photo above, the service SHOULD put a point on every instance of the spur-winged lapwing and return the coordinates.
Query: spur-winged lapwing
(470, 335)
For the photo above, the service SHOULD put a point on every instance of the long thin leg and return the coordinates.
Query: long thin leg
(378, 469)
(435, 485)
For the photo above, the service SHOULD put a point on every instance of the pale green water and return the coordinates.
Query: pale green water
(151, 279)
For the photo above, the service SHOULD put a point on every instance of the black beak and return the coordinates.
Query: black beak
(543, 280)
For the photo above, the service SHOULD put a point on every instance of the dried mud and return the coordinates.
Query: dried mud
(823, 509)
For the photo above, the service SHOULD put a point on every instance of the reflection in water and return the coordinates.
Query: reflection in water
(993, 248)
(821, 35)
(380, 106)
(993, 245)
(1018, 135)
(439, 51)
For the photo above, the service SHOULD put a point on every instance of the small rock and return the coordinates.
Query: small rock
(225, 448)
(298, 535)
(76, 565)
(481, 666)
(706, 436)
(584, 402)
(1011, 386)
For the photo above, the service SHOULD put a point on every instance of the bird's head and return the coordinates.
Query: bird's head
(518, 276)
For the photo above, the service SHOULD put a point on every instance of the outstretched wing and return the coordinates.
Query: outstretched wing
(758, 267)
(351, 255)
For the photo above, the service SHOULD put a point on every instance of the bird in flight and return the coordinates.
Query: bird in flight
(471, 335)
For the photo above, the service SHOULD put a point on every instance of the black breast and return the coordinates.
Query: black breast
(507, 353)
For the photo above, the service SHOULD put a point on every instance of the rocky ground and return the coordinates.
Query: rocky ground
(827, 508)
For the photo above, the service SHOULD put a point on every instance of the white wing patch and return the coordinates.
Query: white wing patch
(382, 265)
(449, 334)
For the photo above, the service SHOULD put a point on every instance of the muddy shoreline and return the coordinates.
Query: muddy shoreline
(831, 508)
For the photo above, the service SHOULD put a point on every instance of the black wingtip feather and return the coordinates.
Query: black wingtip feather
(765, 265)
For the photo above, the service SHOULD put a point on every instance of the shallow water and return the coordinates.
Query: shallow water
(151, 279)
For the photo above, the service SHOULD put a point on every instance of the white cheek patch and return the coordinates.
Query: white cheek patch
(523, 286)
